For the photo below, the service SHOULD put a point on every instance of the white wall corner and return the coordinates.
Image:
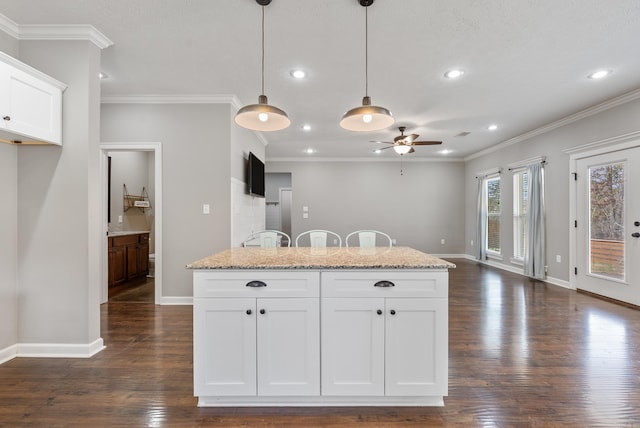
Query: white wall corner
(60, 350)
(8, 353)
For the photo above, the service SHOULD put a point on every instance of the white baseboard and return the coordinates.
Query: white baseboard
(59, 350)
(176, 300)
(8, 353)
(518, 270)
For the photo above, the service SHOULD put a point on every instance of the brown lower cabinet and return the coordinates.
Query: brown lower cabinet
(128, 257)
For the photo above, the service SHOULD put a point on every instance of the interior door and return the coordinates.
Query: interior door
(608, 225)
(286, 199)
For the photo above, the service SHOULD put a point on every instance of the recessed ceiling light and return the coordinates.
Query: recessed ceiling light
(492, 127)
(309, 151)
(445, 151)
(377, 151)
(453, 74)
(298, 74)
(599, 74)
(306, 127)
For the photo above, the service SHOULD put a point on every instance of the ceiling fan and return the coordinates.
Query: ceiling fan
(403, 144)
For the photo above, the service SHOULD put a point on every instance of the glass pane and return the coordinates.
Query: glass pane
(493, 214)
(606, 220)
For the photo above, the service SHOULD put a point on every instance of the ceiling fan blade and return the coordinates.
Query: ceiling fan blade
(380, 142)
(412, 150)
(409, 138)
(425, 143)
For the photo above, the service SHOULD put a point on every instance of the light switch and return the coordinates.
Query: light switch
(305, 209)
(206, 209)
(305, 215)
(442, 241)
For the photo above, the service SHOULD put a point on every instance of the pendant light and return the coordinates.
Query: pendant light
(367, 117)
(262, 116)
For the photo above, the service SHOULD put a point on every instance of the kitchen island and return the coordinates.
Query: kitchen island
(320, 327)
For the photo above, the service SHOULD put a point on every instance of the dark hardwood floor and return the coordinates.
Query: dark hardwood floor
(522, 354)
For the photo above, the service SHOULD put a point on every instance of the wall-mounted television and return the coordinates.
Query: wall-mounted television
(255, 176)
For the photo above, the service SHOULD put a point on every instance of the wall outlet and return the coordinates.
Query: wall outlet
(305, 209)
(335, 242)
(305, 215)
(442, 241)
(206, 209)
(472, 242)
(558, 259)
(393, 242)
(119, 219)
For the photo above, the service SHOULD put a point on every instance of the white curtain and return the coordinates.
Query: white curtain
(481, 232)
(535, 254)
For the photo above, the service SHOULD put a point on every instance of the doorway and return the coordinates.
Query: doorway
(155, 185)
(607, 227)
(279, 197)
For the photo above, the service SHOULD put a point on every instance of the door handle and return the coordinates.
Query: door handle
(636, 234)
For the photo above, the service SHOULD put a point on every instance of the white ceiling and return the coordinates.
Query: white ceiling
(526, 61)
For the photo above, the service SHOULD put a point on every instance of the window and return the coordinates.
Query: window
(493, 214)
(520, 197)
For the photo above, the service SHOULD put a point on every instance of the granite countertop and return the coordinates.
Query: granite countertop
(321, 258)
(127, 232)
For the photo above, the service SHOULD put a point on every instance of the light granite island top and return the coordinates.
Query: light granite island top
(321, 258)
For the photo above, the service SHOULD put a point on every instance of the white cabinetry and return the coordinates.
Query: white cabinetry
(256, 333)
(320, 338)
(30, 104)
(384, 333)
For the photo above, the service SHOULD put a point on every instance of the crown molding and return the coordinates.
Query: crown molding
(54, 32)
(10, 27)
(598, 108)
(315, 159)
(171, 99)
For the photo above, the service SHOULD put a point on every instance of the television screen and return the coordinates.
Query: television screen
(255, 176)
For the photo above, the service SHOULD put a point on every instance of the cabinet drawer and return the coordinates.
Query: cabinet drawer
(118, 241)
(221, 283)
(389, 284)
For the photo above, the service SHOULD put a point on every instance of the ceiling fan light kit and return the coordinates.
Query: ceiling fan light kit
(262, 116)
(367, 117)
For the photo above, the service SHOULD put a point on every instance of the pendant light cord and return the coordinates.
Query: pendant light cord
(263, 50)
(366, 51)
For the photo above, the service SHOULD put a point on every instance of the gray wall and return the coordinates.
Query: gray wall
(58, 206)
(418, 209)
(199, 156)
(613, 122)
(8, 245)
(8, 228)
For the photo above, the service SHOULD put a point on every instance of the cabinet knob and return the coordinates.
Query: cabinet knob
(379, 311)
(248, 311)
(262, 311)
(7, 118)
(392, 312)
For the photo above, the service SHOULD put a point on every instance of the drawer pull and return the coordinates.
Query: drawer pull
(384, 284)
(393, 312)
(256, 284)
(379, 311)
(248, 311)
(262, 311)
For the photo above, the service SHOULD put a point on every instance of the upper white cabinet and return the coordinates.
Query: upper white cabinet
(30, 104)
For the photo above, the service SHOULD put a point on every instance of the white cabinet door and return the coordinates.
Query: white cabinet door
(352, 346)
(30, 107)
(416, 342)
(288, 346)
(224, 347)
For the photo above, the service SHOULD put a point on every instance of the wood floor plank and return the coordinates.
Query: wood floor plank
(521, 354)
